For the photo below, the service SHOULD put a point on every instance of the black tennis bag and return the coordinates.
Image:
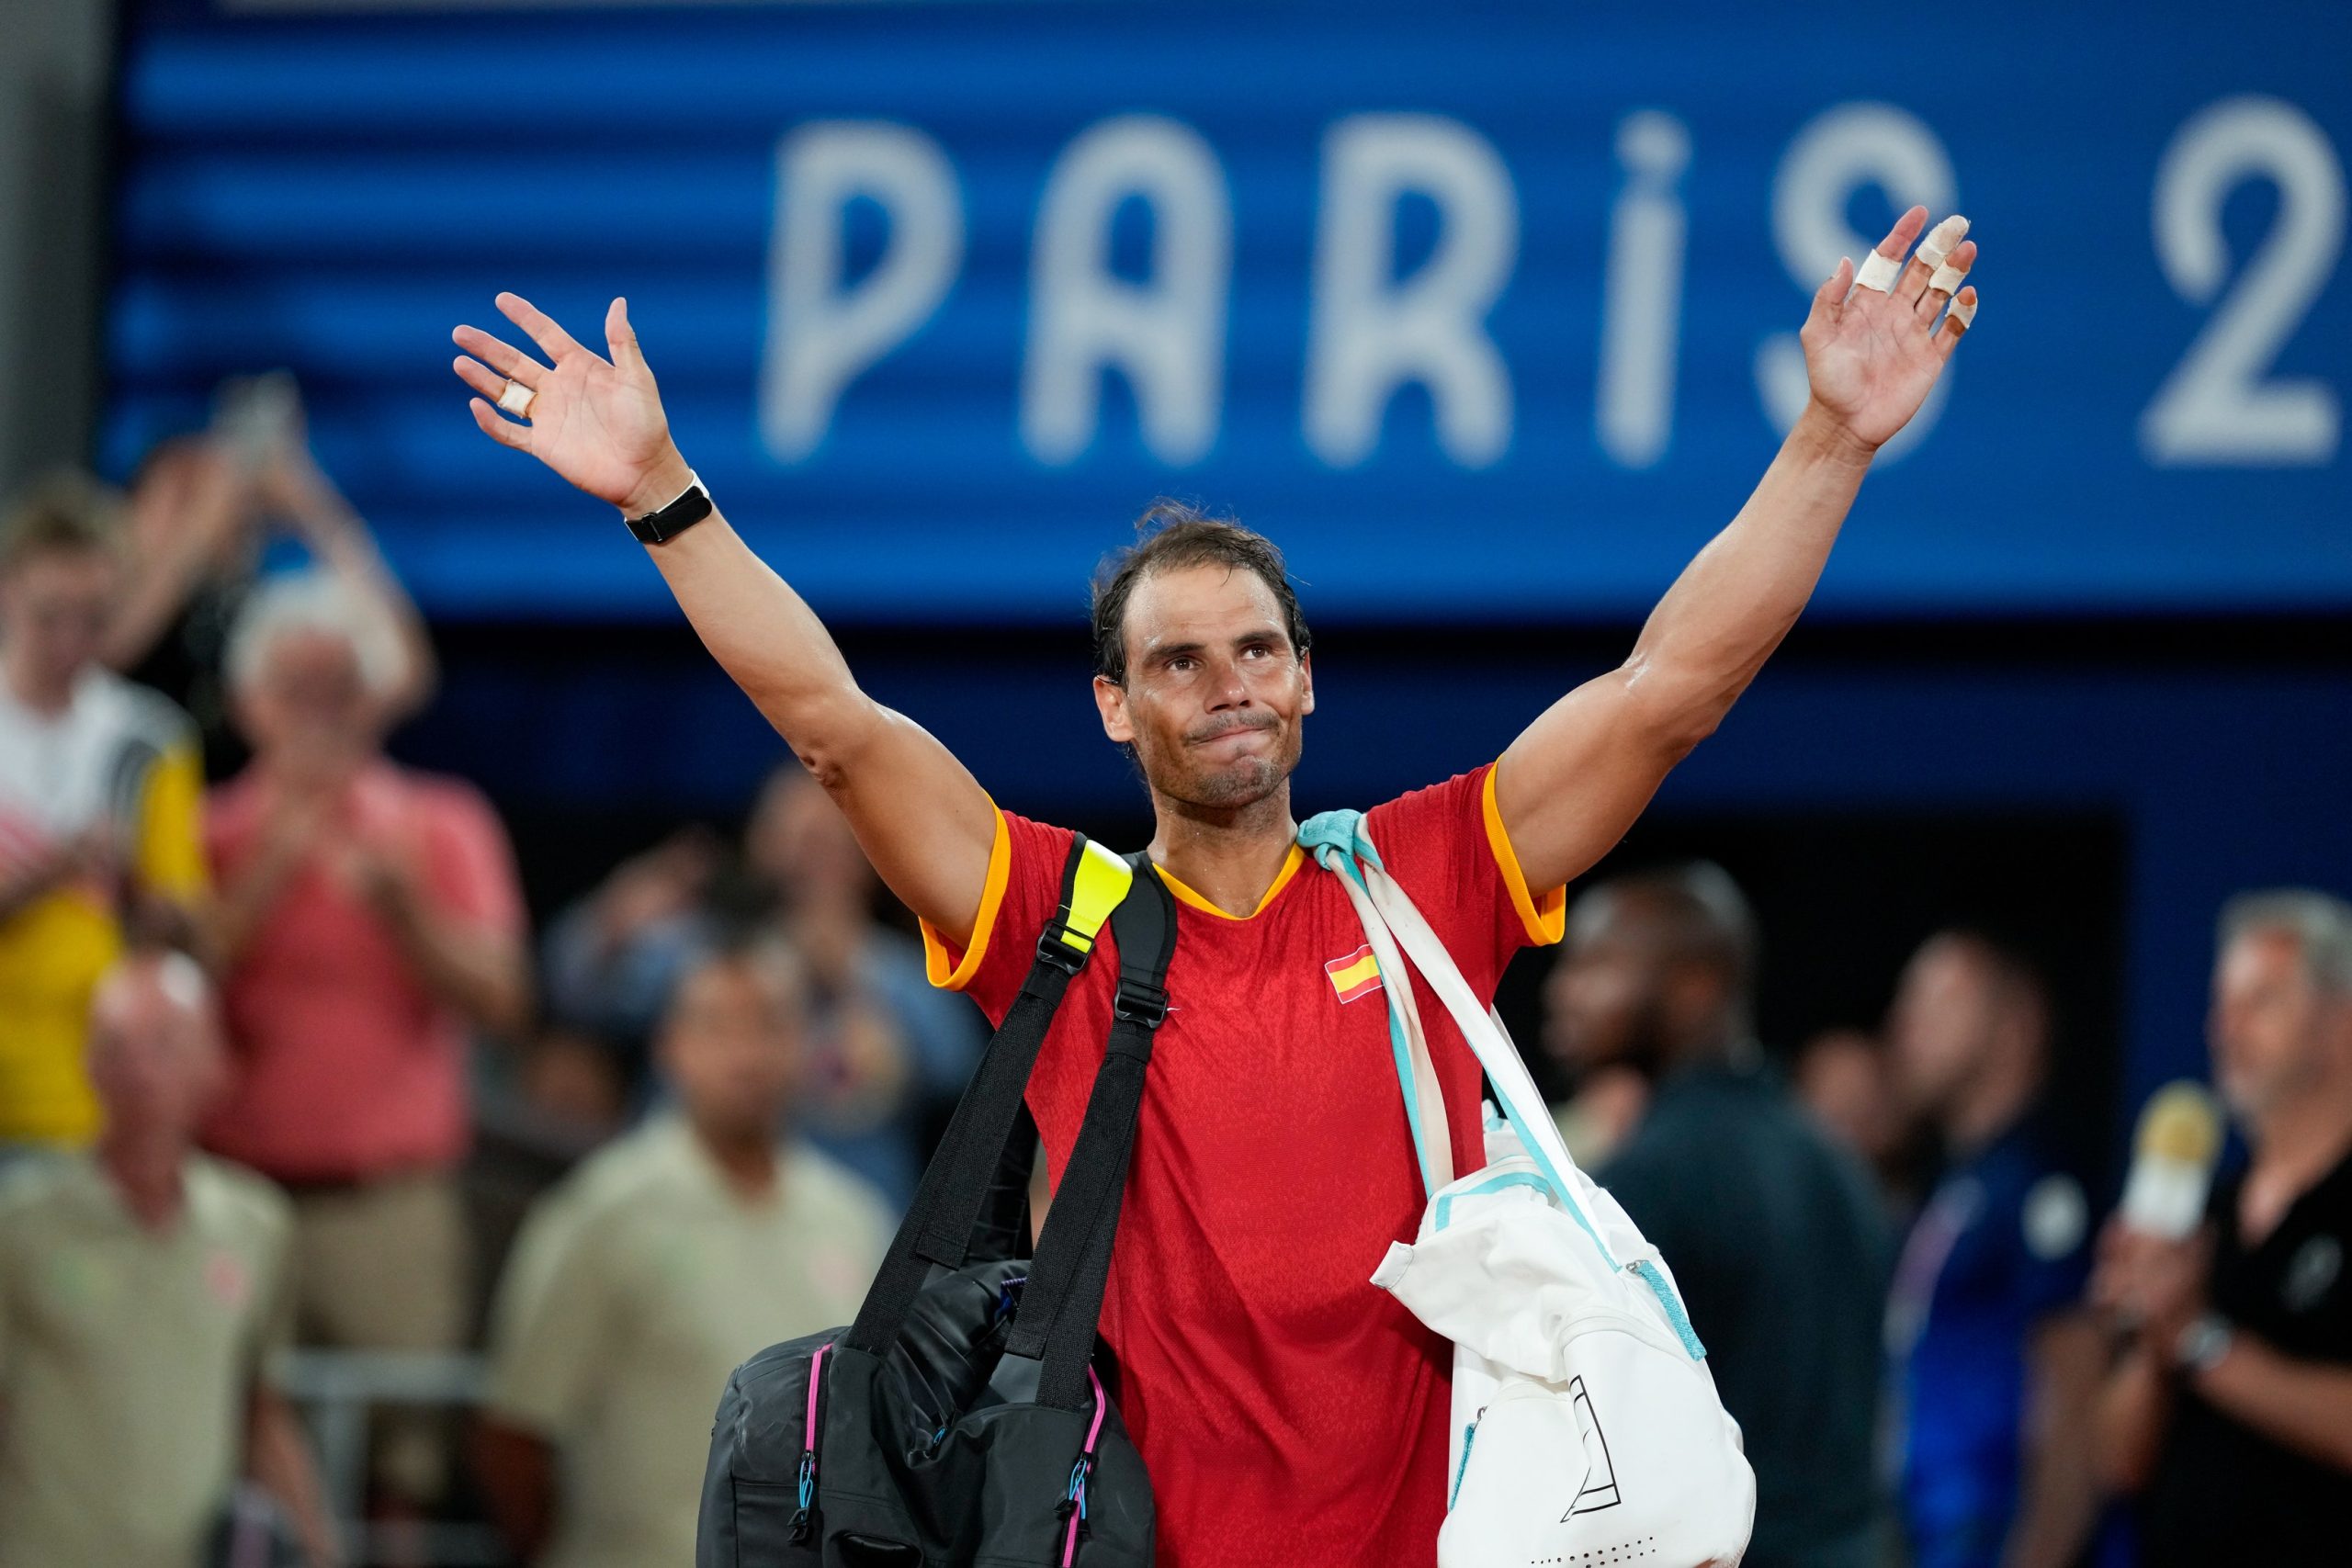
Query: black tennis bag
(962, 1420)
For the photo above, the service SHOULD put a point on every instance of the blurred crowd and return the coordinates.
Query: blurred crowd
(267, 996)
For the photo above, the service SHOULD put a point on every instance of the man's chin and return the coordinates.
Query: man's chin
(1243, 783)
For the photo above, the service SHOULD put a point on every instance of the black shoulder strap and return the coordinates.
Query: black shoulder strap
(942, 1222)
(1063, 1299)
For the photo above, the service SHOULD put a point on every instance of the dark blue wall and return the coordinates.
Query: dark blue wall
(2225, 768)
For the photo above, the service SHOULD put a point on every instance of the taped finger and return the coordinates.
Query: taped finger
(515, 399)
(1941, 240)
(1957, 320)
(1878, 271)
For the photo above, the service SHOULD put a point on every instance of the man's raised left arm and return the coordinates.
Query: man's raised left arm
(1575, 780)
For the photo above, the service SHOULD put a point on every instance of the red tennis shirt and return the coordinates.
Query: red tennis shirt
(1289, 1412)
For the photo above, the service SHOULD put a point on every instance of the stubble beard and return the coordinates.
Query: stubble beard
(1238, 786)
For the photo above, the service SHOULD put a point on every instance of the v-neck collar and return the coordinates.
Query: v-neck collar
(1291, 862)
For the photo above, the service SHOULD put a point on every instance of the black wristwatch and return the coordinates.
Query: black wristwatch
(664, 523)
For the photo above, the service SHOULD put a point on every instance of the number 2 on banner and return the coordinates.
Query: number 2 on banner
(2216, 408)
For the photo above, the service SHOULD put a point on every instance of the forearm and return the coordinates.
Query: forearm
(2129, 1420)
(180, 544)
(278, 1460)
(1574, 781)
(2059, 1488)
(351, 555)
(1735, 602)
(479, 972)
(158, 588)
(2304, 1406)
(765, 636)
(922, 820)
(516, 1473)
(244, 903)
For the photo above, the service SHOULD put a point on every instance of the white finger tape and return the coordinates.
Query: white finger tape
(1947, 278)
(1878, 271)
(1943, 240)
(515, 399)
(1963, 311)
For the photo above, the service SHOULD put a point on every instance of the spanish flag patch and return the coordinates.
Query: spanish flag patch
(1357, 975)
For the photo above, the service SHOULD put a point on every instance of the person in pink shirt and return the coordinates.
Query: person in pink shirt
(370, 924)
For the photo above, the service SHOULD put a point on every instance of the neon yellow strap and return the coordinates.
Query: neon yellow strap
(1101, 882)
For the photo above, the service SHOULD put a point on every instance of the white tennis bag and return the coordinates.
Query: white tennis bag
(1587, 1430)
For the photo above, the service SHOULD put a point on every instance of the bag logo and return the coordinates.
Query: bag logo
(1600, 1489)
(1357, 975)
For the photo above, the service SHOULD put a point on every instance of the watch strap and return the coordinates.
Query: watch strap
(2202, 1344)
(666, 522)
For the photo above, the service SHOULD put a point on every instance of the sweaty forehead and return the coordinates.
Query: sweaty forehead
(1207, 603)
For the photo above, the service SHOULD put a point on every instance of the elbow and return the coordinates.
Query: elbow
(834, 735)
(1674, 711)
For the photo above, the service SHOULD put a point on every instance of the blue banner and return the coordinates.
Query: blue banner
(1481, 311)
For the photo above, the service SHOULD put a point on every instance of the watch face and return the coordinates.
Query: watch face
(2204, 1343)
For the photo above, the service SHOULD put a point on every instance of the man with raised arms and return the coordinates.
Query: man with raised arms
(1288, 1411)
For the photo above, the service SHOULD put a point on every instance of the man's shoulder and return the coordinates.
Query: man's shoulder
(242, 1213)
(112, 702)
(240, 1196)
(830, 1191)
(639, 1165)
(35, 1186)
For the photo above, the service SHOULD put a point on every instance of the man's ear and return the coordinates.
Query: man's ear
(1306, 678)
(1110, 701)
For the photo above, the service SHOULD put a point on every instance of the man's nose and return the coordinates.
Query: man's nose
(1227, 688)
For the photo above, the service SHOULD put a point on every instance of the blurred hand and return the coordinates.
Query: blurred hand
(293, 486)
(663, 881)
(26, 873)
(196, 487)
(598, 423)
(2146, 1283)
(1872, 357)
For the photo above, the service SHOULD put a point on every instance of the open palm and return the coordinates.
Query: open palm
(597, 421)
(1872, 357)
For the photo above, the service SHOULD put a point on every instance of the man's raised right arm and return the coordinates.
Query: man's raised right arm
(924, 822)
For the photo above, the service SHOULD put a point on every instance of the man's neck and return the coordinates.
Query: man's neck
(1992, 1104)
(747, 1163)
(1229, 856)
(2303, 1140)
(146, 1172)
(1720, 1044)
(46, 697)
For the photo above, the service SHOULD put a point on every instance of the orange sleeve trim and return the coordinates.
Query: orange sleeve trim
(1547, 919)
(940, 964)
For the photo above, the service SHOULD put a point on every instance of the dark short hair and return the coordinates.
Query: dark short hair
(2006, 967)
(1170, 536)
(746, 946)
(63, 513)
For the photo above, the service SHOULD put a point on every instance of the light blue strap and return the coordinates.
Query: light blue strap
(1337, 840)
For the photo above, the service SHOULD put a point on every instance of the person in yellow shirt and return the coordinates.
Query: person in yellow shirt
(99, 789)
